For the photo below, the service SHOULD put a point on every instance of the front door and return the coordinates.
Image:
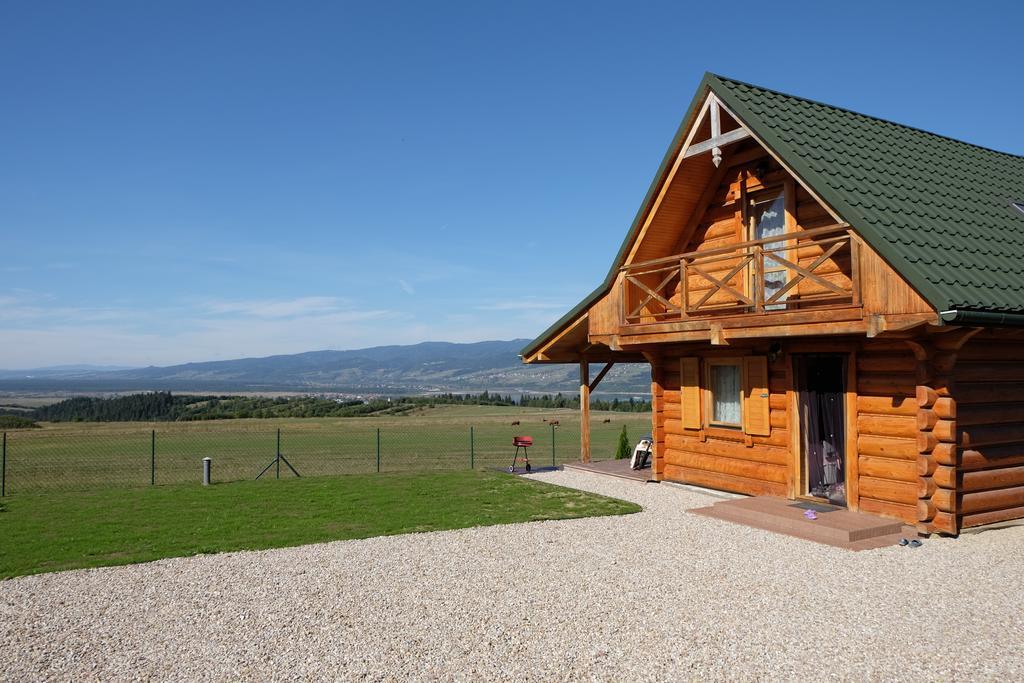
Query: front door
(821, 387)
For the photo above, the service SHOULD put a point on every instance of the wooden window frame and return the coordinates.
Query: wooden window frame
(708, 394)
(762, 196)
(787, 190)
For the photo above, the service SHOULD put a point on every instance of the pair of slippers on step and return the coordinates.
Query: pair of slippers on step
(912, 543)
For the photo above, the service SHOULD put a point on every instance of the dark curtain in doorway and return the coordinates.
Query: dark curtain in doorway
(823, 426)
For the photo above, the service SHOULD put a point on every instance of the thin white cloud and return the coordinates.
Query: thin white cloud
(276, 308)
(406, 287)
(136, 341)
(14, 312)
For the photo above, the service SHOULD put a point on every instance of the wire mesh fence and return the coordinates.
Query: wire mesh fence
(134, 455)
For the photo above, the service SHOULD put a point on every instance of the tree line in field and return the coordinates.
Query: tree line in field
(163, 406)
(558, 400)
(16, 422)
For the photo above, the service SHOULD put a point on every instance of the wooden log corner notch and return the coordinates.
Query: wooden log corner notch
(937, 433)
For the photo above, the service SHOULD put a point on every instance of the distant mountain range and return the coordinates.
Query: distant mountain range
(416, 369)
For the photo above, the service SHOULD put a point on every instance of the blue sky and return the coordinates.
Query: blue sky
(196, 181)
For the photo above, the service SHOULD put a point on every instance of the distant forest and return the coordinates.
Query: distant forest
(165, 407)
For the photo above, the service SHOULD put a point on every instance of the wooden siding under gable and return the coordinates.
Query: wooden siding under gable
(716, 222)
(883, 291)
(719, 222)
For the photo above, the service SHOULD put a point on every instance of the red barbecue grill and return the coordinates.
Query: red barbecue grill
(523, 442)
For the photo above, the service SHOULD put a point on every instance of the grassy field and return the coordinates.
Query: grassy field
(80, 455)
(56, 531)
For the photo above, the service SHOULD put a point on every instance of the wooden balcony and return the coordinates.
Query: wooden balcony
(799, 270)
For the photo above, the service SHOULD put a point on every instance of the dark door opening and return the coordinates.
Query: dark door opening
(821, 386)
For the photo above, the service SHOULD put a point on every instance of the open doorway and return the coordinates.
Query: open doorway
(821, 391)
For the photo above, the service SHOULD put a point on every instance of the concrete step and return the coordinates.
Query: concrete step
(834, 525)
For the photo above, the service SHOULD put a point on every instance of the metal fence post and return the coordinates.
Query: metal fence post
(553, 445)
(3, 469)
(152, 458)
(471, 453)
(278, 456)
(378, 450)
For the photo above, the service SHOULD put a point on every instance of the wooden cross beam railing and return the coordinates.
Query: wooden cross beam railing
(655, 294)
(719, 285)
(735, 279)
(808, 272)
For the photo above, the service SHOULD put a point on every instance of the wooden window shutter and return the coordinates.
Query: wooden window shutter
(756, 412)
(689, 392)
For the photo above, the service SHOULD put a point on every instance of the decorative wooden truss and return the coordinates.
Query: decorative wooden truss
(732, 279)
(712, 110)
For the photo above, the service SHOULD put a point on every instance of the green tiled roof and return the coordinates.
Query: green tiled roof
(938, 210)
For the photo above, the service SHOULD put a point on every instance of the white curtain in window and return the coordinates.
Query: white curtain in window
(725, 393)
(770, 220)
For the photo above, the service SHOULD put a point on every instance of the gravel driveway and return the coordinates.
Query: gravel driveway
(652, 596)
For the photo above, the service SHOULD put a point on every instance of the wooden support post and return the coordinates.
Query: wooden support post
(584, 410)
(657, 418)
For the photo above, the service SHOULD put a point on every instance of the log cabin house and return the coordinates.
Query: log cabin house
(832, 306)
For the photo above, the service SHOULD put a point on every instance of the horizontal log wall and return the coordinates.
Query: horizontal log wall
(939, 436)
(887, 430)
(989, 393)
(721, 458)
(890, 480)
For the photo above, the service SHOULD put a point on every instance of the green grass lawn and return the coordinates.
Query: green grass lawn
(55, 531)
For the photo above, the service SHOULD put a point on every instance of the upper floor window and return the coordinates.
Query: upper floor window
(767, 218)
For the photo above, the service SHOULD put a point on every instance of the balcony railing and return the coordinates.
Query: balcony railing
(792, 271)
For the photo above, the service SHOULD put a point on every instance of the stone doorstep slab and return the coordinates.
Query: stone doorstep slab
(841, 528)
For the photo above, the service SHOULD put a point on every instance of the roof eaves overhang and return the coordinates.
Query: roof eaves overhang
(638, 221)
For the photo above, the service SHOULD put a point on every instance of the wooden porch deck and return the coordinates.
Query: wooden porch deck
(612, 468)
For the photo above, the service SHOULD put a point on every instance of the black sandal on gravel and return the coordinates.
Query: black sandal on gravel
(915, 543)
(904, 541)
